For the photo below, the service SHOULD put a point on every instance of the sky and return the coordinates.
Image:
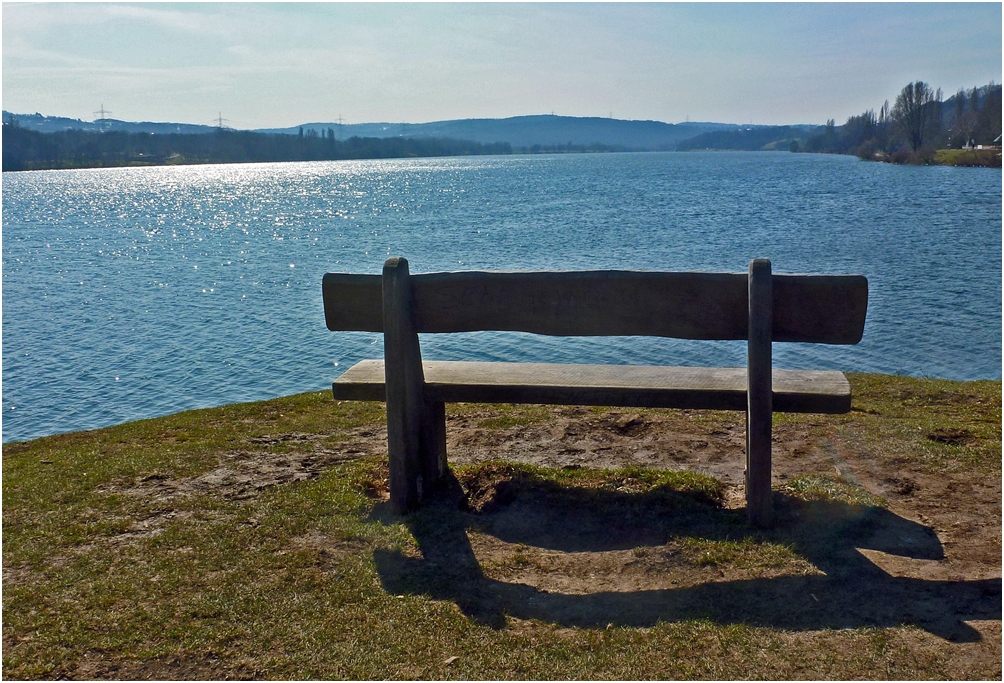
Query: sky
(276, 65)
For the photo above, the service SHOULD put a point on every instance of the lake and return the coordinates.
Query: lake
(132, 293)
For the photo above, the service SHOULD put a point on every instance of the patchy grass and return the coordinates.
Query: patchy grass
(825, 488)
(744, 554)
(511, 415)
(138, 551)
(904, 416)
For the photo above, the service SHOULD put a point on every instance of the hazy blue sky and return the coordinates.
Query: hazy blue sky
(284, 64)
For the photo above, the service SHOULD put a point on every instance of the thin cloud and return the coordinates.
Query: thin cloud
(281, 64)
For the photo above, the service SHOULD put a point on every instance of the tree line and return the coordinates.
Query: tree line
(571, 148)
(29, 150)
(917, 123)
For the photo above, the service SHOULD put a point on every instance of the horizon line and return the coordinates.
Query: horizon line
(416, 123)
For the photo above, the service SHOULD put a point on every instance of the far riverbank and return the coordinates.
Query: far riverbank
(982, 158)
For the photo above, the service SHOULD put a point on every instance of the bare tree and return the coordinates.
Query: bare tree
(989, 126)
(917, 112)
(965, 126)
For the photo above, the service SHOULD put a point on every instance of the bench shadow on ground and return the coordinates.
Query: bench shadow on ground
(850, 592)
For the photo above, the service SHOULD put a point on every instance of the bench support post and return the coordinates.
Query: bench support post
(404, 380)
(433, 441)
(759, 506)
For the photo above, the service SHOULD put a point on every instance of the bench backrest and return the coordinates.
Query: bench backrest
(828, 309)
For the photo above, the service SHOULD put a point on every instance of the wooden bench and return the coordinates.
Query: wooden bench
(758, 307)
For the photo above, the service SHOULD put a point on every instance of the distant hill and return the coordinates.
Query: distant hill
(524, 132)
(55, 124)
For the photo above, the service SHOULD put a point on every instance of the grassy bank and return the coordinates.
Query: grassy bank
(990, 158)
(255, 540)
(928, 156)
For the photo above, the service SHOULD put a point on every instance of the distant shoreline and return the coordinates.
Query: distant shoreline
(983, 158)
(970, 158)
(27, 150)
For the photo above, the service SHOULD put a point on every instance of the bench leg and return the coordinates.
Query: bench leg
(404, 382)
(759, 396)
(433, 442)
(759, 502)
(403, 450)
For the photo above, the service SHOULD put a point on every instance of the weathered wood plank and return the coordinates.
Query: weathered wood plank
(759, 508)
(352, 302)
(795, 391)
(593, 303)
(816, 308)
(826, 309)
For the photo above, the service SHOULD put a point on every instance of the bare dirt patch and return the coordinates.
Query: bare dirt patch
(954, 437)
(275, 459)
(183, 667)
(681, 440)
(962, 510)
(927, 554)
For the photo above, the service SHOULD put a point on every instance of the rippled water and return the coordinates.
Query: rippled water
(130, 293)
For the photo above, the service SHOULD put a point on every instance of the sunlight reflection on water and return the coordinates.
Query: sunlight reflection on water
(137, 292)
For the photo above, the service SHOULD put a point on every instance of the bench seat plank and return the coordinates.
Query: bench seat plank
(794, 391)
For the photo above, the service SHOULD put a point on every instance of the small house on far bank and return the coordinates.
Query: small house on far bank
(996, 144)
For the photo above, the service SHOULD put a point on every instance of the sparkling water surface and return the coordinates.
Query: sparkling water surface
(132, 293)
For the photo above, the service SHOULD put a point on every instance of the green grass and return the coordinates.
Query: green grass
(824, 488)
(962, 157)
(508, 415)
(627, 479)
(104, 580)
(746, 553)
